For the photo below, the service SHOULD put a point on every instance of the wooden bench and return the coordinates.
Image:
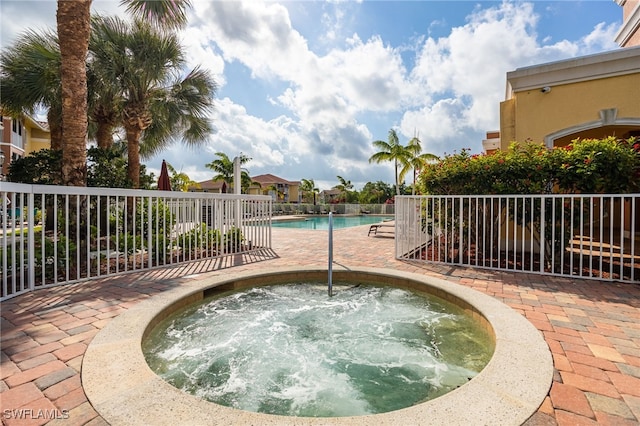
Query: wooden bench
(380, 228)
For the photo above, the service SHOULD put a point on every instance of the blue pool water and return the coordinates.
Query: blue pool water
(322, 222)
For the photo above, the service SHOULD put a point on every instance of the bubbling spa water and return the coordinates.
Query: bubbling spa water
(292, 350)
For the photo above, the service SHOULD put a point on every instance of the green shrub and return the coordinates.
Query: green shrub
(200, 236)
(233, 239)
(160, 222)
(585, 166)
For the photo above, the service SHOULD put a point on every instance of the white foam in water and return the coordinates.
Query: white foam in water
(293, 350)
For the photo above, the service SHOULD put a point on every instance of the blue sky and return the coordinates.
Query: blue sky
(306, 86)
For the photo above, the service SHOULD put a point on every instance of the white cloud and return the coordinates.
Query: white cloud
(201, 52)
(601, 38)
(466, 71)
(257, 34)
(326, 99)
(450, 97)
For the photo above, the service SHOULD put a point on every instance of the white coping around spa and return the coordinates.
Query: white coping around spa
(124, 391)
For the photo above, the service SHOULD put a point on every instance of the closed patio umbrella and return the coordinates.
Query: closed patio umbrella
(164, 184)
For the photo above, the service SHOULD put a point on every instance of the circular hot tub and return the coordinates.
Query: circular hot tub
(508, 390)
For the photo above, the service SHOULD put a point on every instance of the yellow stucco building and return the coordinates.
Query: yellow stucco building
(20, 137)
(281, 190)
(591, 96)
(587, 97)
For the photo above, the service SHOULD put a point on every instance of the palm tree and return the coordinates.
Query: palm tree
(306, 186)
(73, 24)
(165, 14)
(278, 193)
(182, 114)
(344, 186)
(104, 94)
(416, 161)
(392, 150)
(223, 167)
(73, 21)
(30, 79)
(155, 105)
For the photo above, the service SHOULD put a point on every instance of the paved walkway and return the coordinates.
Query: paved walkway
(592, 328)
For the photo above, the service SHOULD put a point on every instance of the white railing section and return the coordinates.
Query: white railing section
(587, 236)
(51, 235)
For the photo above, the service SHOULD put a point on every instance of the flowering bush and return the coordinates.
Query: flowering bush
(585, 166)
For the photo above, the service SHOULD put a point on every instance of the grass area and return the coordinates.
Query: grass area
(18, 231)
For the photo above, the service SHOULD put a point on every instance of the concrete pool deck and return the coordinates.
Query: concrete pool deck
(592, 328)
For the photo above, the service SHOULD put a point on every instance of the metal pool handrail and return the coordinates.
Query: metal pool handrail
(330, 254)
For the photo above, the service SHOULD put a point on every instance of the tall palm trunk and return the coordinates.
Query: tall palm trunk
(136, 118)
(397, 179)
(55, 128)
(73, 19)
(106, 120)
(133, 155)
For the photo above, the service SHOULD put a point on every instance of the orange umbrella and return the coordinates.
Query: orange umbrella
(164, 184)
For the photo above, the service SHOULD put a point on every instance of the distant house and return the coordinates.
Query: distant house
(329, 196)
(22, 136)
(217, 187)
(281, 190)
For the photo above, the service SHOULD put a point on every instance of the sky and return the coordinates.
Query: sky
(305, 87)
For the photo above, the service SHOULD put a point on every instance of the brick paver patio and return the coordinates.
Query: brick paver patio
(591, 327)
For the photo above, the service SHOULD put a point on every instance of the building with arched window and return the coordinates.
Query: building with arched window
(591, 96)
(586, 97)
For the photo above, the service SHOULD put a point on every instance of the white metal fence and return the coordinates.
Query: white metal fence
(52, 235)
(588, 236)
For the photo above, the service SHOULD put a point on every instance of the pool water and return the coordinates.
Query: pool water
(322, 222)
(292, 350)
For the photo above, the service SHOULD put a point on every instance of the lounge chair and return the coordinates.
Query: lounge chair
(382, 228)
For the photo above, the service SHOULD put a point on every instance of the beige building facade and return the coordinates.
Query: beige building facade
(593, 96)
(20, 137)
(281, 190)
(587, 97)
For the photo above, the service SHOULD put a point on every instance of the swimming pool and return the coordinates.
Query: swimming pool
(322, 222)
